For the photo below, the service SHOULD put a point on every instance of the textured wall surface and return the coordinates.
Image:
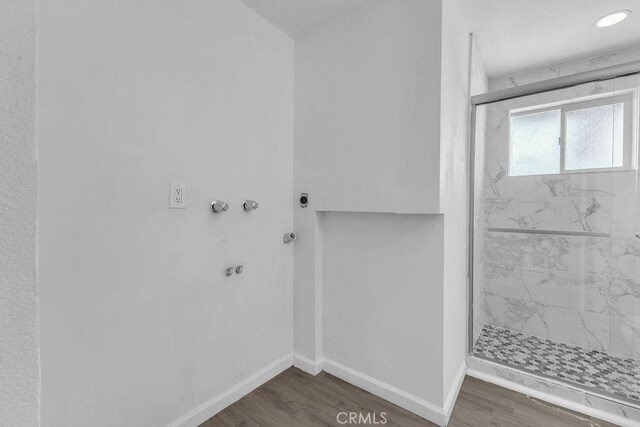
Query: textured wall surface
(19, 370)
(139, 323)
(367, 103)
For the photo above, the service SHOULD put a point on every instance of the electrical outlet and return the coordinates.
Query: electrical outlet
(176, 196)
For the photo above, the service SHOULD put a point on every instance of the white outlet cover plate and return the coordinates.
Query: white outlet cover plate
(177, 195)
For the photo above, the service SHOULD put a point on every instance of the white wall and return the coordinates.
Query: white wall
(382, 127)
(367, 109)
(19, 367)
(382, 298)
(139, 323)
(454, 148)
(307, 279)
(366, 130)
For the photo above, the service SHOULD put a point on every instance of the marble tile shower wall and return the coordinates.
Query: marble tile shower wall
(479, 233)
(572, 289)
(565, 69)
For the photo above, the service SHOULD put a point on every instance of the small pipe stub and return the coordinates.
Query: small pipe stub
(289, 237)
(304, 200)
(218, 206)
(249, 205)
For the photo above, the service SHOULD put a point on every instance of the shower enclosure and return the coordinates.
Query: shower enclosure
(555, 258)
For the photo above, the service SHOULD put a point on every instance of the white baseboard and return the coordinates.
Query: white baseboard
(450, 402)
(388, 392)
(307, 365)
(208, 409)
(565, 403)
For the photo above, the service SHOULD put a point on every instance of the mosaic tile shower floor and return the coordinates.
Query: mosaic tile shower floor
(615, 376)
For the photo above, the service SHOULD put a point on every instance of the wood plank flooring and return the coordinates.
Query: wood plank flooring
(295, 398)
(483, 404)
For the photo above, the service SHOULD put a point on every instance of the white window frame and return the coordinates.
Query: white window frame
(628, 141)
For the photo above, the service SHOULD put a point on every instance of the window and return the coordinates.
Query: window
(592, 135)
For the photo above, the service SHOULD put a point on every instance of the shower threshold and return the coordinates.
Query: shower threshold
(617, 377)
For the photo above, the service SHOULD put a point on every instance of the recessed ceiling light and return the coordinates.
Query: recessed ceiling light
(612, 18)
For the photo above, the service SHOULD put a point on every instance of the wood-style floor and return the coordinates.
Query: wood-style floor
(295, 398)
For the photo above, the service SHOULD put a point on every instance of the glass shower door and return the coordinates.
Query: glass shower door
(555, 284)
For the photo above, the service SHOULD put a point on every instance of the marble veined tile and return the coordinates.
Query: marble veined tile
(530, 250)
(557, 213)
(556, 323)
(615, 256)
(519, 315)
(478, 318)
(583, 254)
(565, 289)
(619, 183)
(626, 411)
(636, 329)
(591, 294)
(590, 330)
(623, 335)
(589, 255)
(580, 291)
(496, 112)
(623, 257)
(498, 185)
(623, 215)
(622, 295)
(507, 282)
(572, 67)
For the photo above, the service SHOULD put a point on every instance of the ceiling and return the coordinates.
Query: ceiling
(294, 17)
(516, 35)
(512, 35)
